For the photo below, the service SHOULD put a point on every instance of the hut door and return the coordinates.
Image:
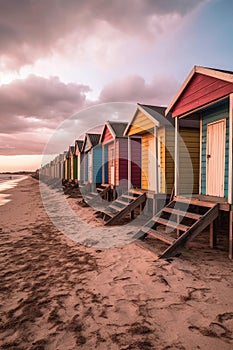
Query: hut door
(90, 166)
(215, 158)
(151, 164)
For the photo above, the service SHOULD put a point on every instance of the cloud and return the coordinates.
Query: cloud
(37, 97)
(134, 88)
(31, 110)
(33, 29)
(36, 111)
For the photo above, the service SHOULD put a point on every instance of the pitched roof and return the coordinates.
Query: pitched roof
(79, 145)
(155, 113)
(117, 127)
(211, 72)
(94, 138)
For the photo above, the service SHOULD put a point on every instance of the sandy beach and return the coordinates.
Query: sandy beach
(58, 294)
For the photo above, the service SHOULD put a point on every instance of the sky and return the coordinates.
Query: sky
(68, 66)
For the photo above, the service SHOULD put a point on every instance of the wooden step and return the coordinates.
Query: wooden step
(122, 202)
(136, 192)
(170, 223)
(159, 235)
(194, 201)
(114, 207)
(182, 213)
(127, 196)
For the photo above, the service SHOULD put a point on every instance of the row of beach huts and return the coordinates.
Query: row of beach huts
(175, 162)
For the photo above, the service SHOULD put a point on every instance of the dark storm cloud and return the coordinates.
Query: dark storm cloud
(30, 29)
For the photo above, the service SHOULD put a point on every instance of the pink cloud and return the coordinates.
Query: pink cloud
(134, 88)
(34, 29)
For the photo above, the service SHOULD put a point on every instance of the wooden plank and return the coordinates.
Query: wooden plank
(194, 202)
(182, 213)
(136, 191)
(213, 234)
(170, 223)
(114, 207)
(231, 235)
(230, 176)
(159, 235)
(127, 209)
(127, 196)
(122, 202)
(189, 235)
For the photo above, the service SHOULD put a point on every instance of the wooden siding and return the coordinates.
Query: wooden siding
(85, 166)
(82, 167)
(162, 160)
(219, 111)
(105, 180)
(170, 159)
(122, 161)
(189, 151)
(136, 162)
(201, 90)
(107, 136)
(75, 167)
(111, 160)
(97, 164)
(145, 160)
(140, 124)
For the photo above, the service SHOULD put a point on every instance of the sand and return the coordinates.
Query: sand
(58, 294)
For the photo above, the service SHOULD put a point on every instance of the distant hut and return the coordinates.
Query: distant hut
(114, 154)
(91, 164)
(79, 157)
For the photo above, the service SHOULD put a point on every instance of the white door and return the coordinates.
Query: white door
(112, 175)
(215, 158)
(90, 166)
(151, 164)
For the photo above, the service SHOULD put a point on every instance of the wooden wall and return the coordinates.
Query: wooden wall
(122, 161)
(169, 155)
(141, 124)
(107, 136)
(201, 89)
(145, 159)
(189, 153)
(97, 164)
(111, 160)
(136, 162)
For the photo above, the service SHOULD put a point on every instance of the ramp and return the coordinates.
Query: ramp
(179, 222)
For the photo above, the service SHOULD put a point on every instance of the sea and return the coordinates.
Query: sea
(7, 182)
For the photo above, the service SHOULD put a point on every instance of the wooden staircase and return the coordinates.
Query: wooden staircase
(101, 191)
(123, 205)
(179, 222)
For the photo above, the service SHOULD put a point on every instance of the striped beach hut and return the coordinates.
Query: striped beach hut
(206, 96)
(115, 155)
(91, 164)
(79, 156)
(71, 163)
(157, 149)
